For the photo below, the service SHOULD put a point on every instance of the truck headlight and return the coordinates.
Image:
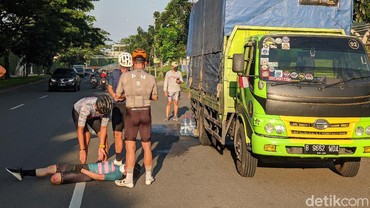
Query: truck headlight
(269, 128)
(279, 129)
(367, 130)
(360, 131)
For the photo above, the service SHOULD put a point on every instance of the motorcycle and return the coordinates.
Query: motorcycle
(93, 82)
(103, 83)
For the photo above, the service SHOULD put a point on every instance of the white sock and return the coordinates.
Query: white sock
(129, 176)
(148, 172)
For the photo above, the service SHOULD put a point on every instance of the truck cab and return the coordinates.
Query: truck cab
(307, 96)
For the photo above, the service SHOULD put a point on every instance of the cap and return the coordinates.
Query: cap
(174, 64)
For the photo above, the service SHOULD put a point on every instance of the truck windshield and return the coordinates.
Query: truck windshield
(312, 59)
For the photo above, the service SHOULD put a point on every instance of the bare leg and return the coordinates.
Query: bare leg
(168, 108)
(175, 107)
(148, 157)
(51, 169)
(118, 144)
(56, 179)
(130, 160)
(130, 154)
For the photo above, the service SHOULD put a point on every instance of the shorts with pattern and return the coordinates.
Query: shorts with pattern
(174, 95)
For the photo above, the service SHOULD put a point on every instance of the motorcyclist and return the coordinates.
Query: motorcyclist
(103, 74)
(103, 79)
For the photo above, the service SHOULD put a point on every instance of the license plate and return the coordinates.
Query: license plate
(62, 84)
(320, 149)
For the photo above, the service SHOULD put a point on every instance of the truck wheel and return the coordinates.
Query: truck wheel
(245, 163)
(347, 167)
(204, 137)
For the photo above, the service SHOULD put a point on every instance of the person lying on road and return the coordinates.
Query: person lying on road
(74, 173)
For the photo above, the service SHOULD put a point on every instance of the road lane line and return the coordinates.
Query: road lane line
(77, 195)
(43, 97)
(18, 106)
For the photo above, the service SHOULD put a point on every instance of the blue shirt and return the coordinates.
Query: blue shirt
(113, 79)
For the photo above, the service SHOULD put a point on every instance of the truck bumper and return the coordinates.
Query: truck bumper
(295, 147)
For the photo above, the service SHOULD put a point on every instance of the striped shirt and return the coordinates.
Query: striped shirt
(110, 171)
(86, 110)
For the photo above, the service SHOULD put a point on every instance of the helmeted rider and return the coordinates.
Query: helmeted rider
(119, 106)
(93, 112)
(103, 74)
(138, 88)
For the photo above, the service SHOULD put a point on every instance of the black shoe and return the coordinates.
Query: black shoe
(15, 172)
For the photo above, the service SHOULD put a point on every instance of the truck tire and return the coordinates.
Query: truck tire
(204, 137)
(347, 167)
(245, 162)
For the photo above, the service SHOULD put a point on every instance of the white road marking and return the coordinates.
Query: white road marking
(43, 97)
(16, 107)
(77, 195)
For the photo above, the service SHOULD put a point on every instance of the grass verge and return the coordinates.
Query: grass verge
(18, 81)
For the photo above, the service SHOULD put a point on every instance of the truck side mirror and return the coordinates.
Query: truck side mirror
(238, 63)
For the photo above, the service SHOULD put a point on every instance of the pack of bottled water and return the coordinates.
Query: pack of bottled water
(188, 124)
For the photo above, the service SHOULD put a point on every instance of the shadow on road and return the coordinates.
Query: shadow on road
(279, 162)
(166, 142)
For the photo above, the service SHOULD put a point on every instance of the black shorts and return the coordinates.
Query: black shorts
(138, 120)
(94, 123)
(118, 116)
(68, 176)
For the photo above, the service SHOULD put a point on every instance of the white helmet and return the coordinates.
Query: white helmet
(125, 59)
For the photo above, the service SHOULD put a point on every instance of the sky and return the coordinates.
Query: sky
(121, 18)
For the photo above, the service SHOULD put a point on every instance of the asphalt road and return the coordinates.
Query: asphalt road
(37, 130)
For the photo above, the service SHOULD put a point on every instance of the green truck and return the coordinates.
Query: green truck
(283, 80)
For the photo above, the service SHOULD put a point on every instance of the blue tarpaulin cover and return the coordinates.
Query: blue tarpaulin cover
(211, 20)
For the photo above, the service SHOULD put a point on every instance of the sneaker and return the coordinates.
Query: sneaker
(15, 172)
(166, 119)
(123, 183)
(175, 118)
(116, 162)
(149, 180)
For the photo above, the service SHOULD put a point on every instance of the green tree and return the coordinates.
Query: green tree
(361, 11)
(171, 29)
(142, 40)
(37, 30)
(167, 38)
